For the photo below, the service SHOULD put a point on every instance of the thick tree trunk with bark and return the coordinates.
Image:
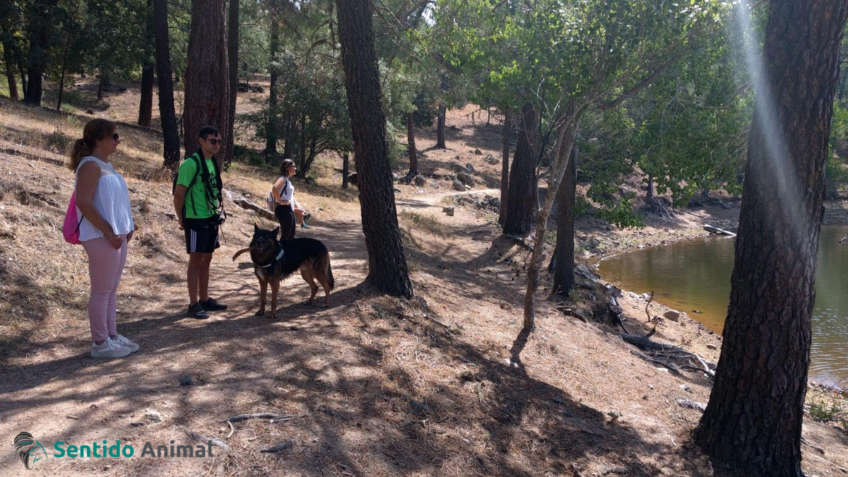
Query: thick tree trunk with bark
(506, 137)
(387, 269)
(9, 64)
(563, 258)
(170, 134)
(233, 58)
(440, 128)
(272, 128)
(145, 104)
(38, 30)
(521, 203)
(752, 424)
(413, 154)
(207, 80)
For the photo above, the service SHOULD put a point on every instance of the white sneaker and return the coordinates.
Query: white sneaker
(108, 349)
(125, 342)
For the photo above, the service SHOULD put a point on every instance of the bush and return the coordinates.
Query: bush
(621, 215)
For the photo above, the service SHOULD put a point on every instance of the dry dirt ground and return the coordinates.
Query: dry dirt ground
(369, 386)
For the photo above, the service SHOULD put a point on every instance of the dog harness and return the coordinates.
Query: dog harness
(276, 260)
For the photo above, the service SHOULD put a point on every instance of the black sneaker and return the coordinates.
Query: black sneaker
(197, 312)
(211, 305)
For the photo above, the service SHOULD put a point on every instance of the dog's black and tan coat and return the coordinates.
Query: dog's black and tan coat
(274, 260)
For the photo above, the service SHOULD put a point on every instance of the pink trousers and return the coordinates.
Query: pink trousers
(105, 265)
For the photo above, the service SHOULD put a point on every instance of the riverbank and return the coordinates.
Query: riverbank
(826, 401)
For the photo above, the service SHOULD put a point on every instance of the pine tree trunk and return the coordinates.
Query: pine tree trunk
(753, 421)
(207, 80)
(272, 128)
(145, 104)
(506, 136)
(233, 60)
(563, 258)
(22, 69)
(387, 269)
(104, 81)
(521, 206)
(9, 63)
(38, 29)
(62, 80)
(345, 169)
(413, 154)
(440, 128)
(170, 134)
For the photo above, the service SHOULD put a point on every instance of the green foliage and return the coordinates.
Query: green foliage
(621, 214)
(691, 125)
(824, 412)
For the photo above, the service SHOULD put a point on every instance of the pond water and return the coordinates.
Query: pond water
(694, 277)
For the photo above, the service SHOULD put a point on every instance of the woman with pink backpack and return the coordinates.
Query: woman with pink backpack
(104, 227)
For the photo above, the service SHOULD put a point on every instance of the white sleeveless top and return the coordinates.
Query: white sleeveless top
(112, 201)
(287, 192)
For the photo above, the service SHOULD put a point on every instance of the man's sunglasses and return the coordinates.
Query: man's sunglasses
(214, 142)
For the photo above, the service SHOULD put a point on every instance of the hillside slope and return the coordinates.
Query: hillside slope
(371, 385)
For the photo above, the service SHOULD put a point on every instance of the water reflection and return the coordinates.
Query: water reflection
(694, 277)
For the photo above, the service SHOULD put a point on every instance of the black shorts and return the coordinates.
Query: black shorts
(285, 215)
(201, 235)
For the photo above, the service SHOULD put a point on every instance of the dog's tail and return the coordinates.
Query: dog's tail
(240, 252)
(330, 278)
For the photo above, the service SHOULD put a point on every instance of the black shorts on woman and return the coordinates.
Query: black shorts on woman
(288, 223)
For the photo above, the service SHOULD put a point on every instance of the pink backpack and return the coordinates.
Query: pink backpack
(70, 228)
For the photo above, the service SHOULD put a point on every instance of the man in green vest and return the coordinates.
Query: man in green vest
(197, 201)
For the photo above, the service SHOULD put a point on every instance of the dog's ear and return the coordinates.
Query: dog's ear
(255, 228)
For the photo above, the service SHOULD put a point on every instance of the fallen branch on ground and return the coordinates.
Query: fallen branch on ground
(242, 202)
(261, 415)
(204, 439)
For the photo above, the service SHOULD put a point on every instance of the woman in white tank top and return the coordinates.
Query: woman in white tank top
(107, 225)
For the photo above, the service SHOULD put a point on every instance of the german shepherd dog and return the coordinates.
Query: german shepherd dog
(274, 260)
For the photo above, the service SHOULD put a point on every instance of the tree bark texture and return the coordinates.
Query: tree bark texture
(440, 128)
(62, 79)
(413, 154)
(145, 104)
(563, 259)
(170, 134)
(521, 204)
(345, 169)
(9, 63)
(272, 128)
(506, 137)
(207, 83)
(233, 59)
(38, 30)
(387, 269)
(752, 424)
(559, 164)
